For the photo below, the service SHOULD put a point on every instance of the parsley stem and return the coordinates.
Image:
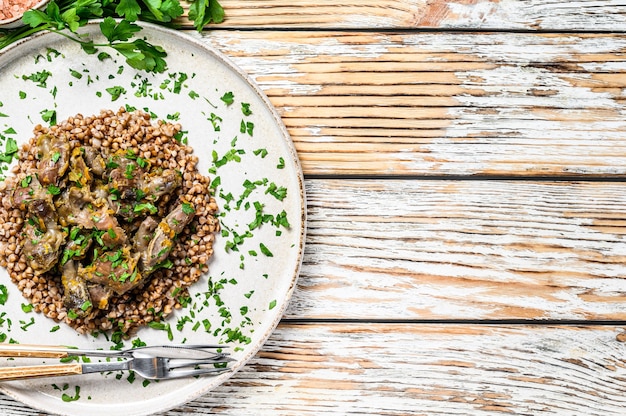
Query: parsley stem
(63, 33)
(78, 40)
(8, 37)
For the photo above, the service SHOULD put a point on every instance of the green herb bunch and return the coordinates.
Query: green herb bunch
(118, 26)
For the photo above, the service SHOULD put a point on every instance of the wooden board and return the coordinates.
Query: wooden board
(444, 103)
(412, 14)
(422, 370)
(410, 249)
(436, 102)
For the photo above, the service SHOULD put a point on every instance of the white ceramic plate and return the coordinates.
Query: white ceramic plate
(254, 296)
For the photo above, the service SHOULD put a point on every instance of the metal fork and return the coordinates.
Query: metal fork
(58, 351)
(148, 367)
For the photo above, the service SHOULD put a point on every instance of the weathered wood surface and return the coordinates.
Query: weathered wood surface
(428, 370)
(391, 88)
(397, 249)
(341, 369)
(566, 15)
(443, 103)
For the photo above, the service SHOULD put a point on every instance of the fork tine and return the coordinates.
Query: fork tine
(181, 363)
(200, 346)
(196, 372)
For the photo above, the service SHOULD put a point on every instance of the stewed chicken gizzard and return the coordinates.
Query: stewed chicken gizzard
(106, 220)
(95, 219)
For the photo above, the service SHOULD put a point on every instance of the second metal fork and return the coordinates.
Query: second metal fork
(148, 367)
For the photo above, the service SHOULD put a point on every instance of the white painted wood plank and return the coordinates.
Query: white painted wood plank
(443, 103)
(436, 249)
(375, 369)
(443, 14)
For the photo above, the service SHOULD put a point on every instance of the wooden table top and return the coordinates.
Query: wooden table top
(465, 168)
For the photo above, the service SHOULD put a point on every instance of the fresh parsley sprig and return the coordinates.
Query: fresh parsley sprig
(66, 17)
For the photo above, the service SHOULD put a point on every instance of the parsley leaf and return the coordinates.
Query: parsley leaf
(140, 54)
(67, 16)
(121, 31)
(35, 18)
(129, 9)
(203, 12)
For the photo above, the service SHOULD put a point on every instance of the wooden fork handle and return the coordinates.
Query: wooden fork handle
(32, 351)
(37, 371)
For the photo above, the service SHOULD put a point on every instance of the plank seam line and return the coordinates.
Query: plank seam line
(512, 322)
(407, 29)
(478, 177)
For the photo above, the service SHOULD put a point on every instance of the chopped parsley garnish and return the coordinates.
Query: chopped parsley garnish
(76, 74)
(246, 127)
(265, 250)
(26, 181)
(215, 121)
(232, 155)
(261, 152)
(163, 327)
(139, 208)
(67, 398)
(10, 150)
(54, 190)
(128, 173)
(111, 164)
(49, 116)
(217, 181)
(281, 220)
(188, 208)
(228, 98)
(179, 79)
(143, 163)
(39, 78)
(277, 192)
(116, 92)
(103, 55)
